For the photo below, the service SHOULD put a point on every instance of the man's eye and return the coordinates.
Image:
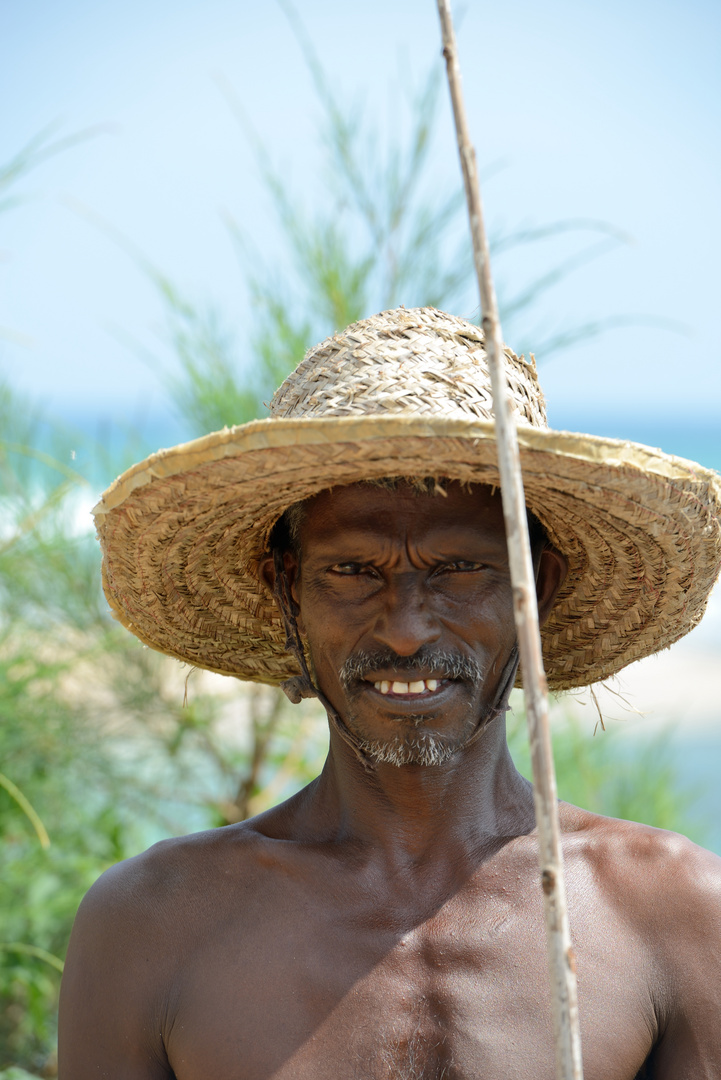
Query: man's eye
(460, 566)
(347, 568)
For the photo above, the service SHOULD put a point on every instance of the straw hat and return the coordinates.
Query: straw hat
(406, 393)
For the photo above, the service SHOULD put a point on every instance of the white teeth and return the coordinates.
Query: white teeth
(417, 687)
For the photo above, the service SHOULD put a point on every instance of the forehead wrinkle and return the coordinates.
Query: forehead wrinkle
(357, 516)
(349, 545)
(405, 555)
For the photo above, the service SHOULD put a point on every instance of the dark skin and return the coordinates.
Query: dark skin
(387, 921)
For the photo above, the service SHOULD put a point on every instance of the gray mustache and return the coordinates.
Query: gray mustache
(445, 665)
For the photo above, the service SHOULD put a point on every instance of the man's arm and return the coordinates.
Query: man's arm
(685, 917)
(114, 989)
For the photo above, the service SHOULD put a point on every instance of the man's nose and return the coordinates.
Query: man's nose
(406, 621)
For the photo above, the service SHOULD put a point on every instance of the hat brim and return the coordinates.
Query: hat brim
(182, 534)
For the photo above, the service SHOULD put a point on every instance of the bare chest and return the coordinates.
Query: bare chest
(462, 995)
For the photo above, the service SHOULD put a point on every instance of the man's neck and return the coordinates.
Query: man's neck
(415, 815)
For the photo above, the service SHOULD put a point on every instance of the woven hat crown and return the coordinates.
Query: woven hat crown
(415, 361)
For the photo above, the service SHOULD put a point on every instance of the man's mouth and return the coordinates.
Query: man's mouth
(428, 673)
(398, 687)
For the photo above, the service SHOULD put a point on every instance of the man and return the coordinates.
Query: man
(387, 921)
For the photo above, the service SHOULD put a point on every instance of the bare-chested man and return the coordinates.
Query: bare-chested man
(387, 921)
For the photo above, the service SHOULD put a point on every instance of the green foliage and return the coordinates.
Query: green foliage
(61, 818)
(44, 751)
(612, 771)
(46, 571)
(64, 812)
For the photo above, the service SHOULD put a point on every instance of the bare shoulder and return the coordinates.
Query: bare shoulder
(168, 899)
(176, 879)
(152, 911)
(660, 895)
(641, 861)
(134, 932)
(642, 856)
(664, 884)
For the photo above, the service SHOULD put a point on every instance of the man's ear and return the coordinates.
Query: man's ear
(550, 575)
(292, 569)
(266, 571)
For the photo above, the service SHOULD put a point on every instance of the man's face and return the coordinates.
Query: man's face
(405, 601)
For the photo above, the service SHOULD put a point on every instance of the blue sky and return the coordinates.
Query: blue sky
(608, 111)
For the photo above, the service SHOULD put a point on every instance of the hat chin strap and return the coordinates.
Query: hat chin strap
(302, 686)
(500, 706)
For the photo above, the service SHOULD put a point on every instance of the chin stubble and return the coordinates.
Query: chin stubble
(421, 749)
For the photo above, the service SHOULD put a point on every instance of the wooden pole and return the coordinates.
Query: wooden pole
(560, 951)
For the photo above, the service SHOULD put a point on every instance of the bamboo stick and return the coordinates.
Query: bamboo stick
(560, 951)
